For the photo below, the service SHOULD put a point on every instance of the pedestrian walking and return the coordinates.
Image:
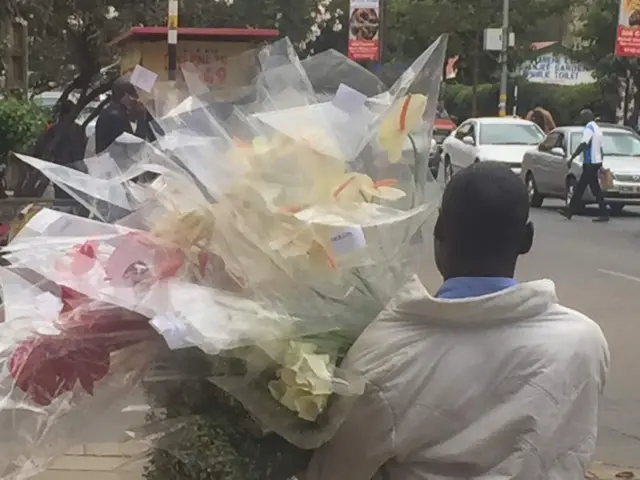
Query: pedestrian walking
(489, 378)
(590, 148)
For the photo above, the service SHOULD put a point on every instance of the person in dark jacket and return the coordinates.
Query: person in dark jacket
(118, 116)
(64, 143)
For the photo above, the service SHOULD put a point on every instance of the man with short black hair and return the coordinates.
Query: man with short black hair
(117, 117)
(591, 149)
(489, 378)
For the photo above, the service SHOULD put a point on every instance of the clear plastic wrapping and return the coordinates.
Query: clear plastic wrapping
(260, 233)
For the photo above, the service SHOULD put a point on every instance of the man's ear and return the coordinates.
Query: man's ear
(527, 239)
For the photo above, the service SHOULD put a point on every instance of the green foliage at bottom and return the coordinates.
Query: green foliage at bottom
(214, 437)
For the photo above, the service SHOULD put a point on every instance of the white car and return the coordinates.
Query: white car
(497, 139)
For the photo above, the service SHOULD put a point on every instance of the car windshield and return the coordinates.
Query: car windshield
(510, 134)
(615, 143)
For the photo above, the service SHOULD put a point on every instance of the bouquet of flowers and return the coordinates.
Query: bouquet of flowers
(245, 249)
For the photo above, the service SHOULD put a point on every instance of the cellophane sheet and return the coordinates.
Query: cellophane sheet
(262, 226)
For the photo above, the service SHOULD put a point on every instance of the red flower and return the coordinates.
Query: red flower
(139, 258)
(45, 367)
(83, 257)
(80, 259)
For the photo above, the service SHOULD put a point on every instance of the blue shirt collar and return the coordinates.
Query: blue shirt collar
(468, 287)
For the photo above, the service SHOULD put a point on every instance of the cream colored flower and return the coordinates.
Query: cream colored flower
(401, 119)
(358, 188)
(305, 380)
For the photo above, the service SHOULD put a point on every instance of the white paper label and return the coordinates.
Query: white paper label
(172, 329)
(143, 78)
(347, 239)
(43, 220)
(349, 100)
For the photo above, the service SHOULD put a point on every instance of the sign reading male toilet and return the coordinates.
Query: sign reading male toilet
(555, 69)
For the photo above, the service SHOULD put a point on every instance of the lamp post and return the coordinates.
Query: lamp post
(382, 15)
(172, 39)
(502, 102)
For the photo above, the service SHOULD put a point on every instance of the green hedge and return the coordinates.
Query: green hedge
(564, 103)
(21, 123)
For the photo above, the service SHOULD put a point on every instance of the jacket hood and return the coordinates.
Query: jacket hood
(522, 301)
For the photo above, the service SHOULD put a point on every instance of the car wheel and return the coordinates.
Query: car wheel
(448, 169)
(616, 208)
(535, 199)
(434, 165)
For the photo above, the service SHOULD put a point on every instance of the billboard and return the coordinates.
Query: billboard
(364, 30)
(628, 32)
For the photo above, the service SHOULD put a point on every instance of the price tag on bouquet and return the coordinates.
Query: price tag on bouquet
(346, 240)
(143, 78)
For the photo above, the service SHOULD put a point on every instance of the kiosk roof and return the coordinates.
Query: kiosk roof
(156, 34)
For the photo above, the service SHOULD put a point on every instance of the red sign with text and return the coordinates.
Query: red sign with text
(364, 30)
(628, 32)
(628, 41)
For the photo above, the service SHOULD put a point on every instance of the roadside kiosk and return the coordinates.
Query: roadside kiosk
(215, 52)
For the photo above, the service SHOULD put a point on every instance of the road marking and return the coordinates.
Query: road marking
(620, 275)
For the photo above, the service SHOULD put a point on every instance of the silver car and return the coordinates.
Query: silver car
(545, 171)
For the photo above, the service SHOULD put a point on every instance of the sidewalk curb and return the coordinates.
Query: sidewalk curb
(602, 471)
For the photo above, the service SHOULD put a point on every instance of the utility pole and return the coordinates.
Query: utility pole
(382, 16)
(502, 103)
(172, 40)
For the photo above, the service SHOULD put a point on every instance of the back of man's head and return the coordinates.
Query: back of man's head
(65, 108)
(121, 88)
(587, 116)
(484, 222)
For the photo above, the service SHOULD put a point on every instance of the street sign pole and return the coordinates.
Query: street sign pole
(172, 39)
(502, 103)
(381, 35)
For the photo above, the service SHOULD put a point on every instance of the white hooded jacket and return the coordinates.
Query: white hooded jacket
(503, 386)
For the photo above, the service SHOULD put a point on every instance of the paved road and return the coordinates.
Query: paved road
(596, 268)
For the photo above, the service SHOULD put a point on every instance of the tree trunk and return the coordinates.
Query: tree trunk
(475, 72)
(633, 120)
(627, 99)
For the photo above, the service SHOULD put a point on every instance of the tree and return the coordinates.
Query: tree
(598, 31)
(69, 38)
(418, 22)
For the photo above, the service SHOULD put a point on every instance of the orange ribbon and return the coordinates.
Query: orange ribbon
(403, 113)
